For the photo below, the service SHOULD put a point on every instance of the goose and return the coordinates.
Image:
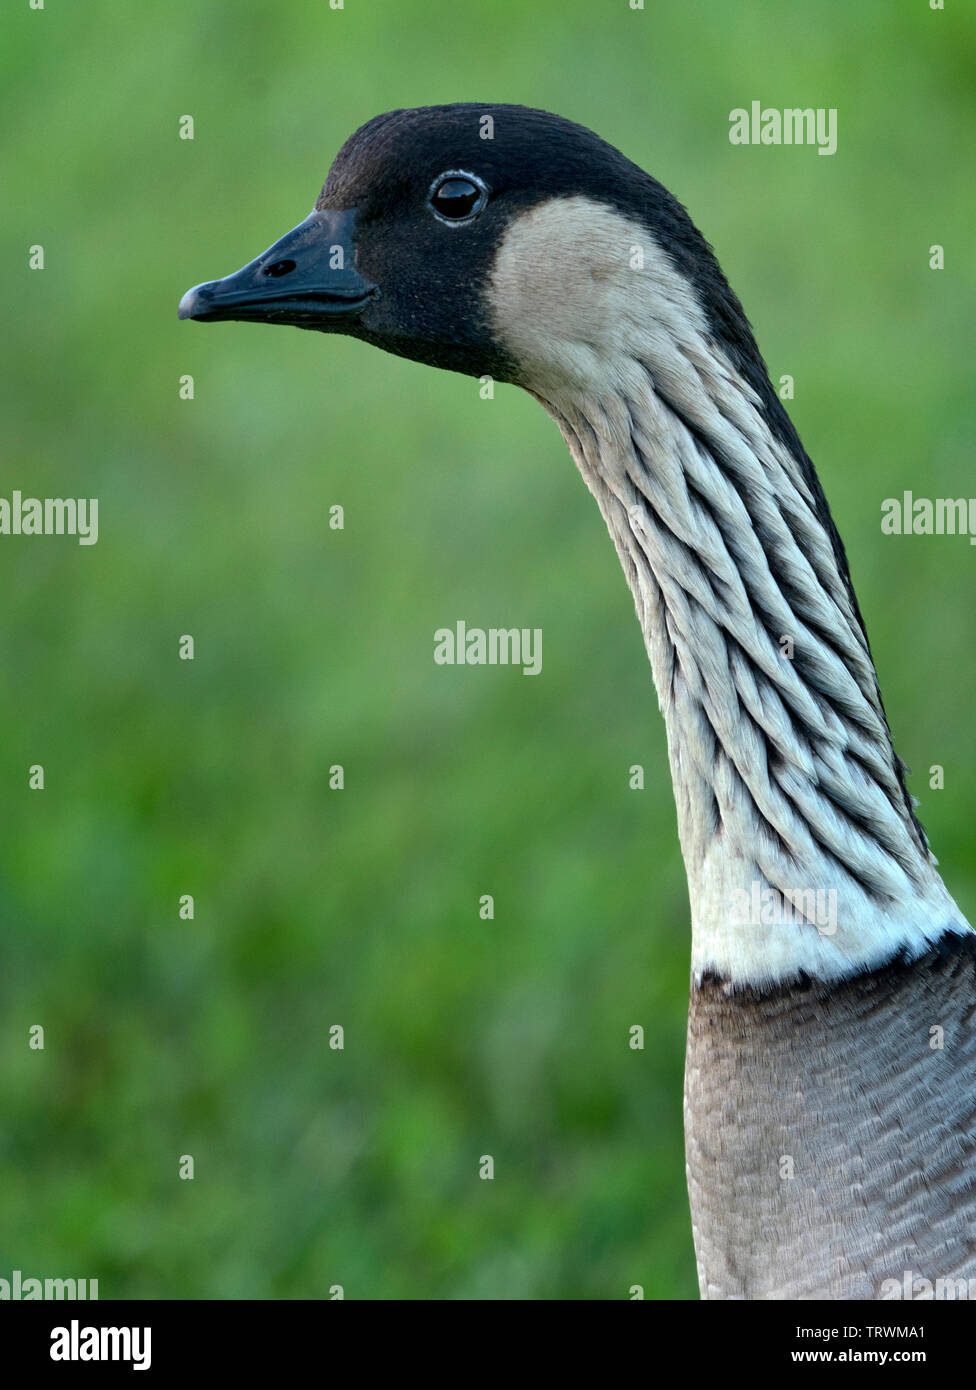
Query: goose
(829, 1107)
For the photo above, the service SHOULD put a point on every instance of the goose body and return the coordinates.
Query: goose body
(830, 1089)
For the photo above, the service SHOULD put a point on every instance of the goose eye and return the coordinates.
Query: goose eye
(457, 197)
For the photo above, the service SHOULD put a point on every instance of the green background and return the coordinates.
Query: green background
(314, 907)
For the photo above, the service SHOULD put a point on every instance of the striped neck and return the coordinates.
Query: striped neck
(802, 851)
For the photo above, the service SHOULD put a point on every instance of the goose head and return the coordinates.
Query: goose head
(488, 240)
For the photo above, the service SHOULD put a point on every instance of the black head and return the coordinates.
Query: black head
(401, 246)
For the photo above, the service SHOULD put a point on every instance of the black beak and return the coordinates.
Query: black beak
(308, 278)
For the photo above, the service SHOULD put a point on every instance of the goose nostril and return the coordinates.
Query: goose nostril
(279, 268)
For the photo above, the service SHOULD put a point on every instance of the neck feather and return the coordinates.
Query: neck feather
(802, 850)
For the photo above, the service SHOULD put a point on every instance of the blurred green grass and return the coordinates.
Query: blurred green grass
(313, 907)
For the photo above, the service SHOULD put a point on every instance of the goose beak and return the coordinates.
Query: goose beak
(308, 279)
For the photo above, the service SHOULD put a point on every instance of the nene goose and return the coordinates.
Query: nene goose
(829, 1110)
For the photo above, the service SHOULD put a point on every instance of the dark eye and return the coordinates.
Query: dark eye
(457, 197)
